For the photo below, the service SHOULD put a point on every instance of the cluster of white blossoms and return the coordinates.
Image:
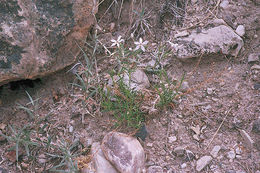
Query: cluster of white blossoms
(139, 44)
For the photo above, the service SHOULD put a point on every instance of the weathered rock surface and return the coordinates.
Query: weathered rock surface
(39, 37)
(203, 162)
(220, 39)
(125, 153)
(155, 169)
(101, 165)
(138, 80)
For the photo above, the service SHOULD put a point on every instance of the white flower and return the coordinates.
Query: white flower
(140, 44)
(117, 42)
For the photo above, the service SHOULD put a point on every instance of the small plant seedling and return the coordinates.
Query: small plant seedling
(20, 138)
(125, 104)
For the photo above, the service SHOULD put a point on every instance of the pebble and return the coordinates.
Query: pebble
(155, 169)
(42, 159)
(172, 139)
(203, 162)
(224, 4)
(215, 150)
(231, 154)
(248, 140)
(189, 156)
(253, 57)
(241, 30)
(256, 125)
(210, 91)
(184, 86)
(184, 165)
(149, 144)
(71, 129)
(179, 151)
(238, 150)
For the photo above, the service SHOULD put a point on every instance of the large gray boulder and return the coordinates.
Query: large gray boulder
(39, 37)
(220, 39)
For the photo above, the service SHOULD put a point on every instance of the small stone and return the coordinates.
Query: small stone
(181, 34)
(253, 57)
(155, 169)
(142, 133)
(231, 154)
(71, 129)
(255, 67)
(210, 91)
(215, 150)
(238, 150)
(257, 86)
(149, 144)
(184, 165)
(172, 139)
(203, 162)
(240, 30)
(230, 171)
(224, 4)
(256, 125)
(248, 140)
(184, 86)
(194, 1)
(179, 151)
(189, 156)
(42, 159)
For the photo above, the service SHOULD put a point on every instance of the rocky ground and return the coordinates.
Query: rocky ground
(213, 125)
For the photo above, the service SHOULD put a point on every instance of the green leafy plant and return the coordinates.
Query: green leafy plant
(66, 157)
(20, 138)
(125, 105)
(32, 112)
(167, 89)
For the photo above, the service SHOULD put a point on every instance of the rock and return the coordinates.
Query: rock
(230, 171)
(224, 4)
(42, 159)
(209, 91)
(255, 67)
(181, 34)
(2, 170)
(241, 30)
(203, 162)
(142, 133)
(155, 169)
(179, 151)
(184, 165)
(39, 37)
(231, 154)
(220, 39)
(254, 57)
(214, 151)
(172, 139)
(248, 140)
(257, 86)
(194, 1)
(124, 152)
(139, 80)
(184, 86)
(101, 164)
(149, 144)
(256, 126)
(189, 156)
